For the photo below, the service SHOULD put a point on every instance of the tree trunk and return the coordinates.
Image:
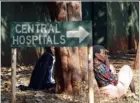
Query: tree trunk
(71, 60)
(136, 63)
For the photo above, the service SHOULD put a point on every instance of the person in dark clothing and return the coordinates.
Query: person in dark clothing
(42, 74)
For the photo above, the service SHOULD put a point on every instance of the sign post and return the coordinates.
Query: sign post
(90, 75)
(13, 74)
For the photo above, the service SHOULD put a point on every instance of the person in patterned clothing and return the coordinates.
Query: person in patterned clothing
(113, 84)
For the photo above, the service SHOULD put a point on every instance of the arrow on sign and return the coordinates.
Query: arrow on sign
(81, 34)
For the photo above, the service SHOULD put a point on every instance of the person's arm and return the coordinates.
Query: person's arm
(107, 62)
(110, 66)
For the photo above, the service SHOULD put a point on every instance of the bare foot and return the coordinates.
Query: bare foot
(135, 96)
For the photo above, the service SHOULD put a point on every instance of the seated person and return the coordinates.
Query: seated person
(112, 84)
(43, 73)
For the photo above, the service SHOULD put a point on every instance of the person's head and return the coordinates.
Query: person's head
(100, 52)
(50, 50)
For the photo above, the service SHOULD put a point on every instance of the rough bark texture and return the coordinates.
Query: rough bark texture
(136, 63)
(71, 61)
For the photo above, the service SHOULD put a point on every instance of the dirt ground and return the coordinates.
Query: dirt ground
(23, 77)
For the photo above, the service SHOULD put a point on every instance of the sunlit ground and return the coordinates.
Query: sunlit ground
(23, 77)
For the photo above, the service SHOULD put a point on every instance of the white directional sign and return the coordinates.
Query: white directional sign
(81, 34)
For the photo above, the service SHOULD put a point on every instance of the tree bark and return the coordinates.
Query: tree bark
(136, 63)
(73, 60)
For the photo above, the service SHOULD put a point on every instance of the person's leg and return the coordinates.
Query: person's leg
(111, 90)
(133, 91)
(126, 71)
(132, 86)
(125, 76)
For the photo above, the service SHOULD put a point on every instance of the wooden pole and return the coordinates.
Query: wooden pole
(90, 75)
(13, 74)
